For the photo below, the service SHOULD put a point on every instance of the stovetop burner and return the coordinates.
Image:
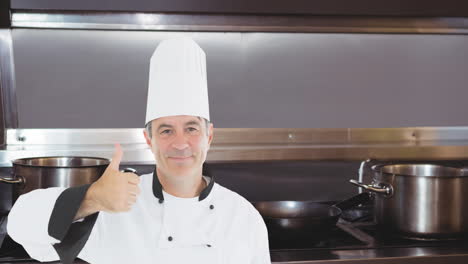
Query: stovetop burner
(335, 238)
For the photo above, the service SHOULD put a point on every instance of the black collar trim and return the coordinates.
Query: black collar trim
(157, 187)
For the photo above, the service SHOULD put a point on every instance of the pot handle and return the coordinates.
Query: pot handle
(385, 189)
(18, 180)
(132, 170)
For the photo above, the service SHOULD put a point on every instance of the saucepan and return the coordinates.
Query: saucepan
(292, 220)
(59, 171)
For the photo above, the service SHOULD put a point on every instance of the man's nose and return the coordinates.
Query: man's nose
(180, 142)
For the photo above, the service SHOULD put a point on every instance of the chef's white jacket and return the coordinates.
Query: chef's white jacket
(220, 227)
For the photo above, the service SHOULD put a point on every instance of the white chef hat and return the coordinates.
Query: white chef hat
(177, 80)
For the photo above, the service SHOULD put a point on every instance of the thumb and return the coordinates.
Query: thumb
(117, 157)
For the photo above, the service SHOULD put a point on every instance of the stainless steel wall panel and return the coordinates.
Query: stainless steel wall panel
(8, 81)
(98, 79)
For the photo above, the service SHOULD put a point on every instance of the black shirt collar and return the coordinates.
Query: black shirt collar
(157, 187)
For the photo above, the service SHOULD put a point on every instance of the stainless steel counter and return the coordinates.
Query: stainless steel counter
(383, 255)
(457, 255)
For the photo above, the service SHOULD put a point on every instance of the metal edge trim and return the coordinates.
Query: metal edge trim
(100, 20)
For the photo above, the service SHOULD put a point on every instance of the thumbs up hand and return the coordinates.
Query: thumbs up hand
(115, 191)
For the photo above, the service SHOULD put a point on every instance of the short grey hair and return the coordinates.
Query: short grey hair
(149, 127)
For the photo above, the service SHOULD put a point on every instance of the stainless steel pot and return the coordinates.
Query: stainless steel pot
(43, 172)
(420, 201)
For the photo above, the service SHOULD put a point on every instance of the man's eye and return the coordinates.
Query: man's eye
(192, 129)
(167, 131)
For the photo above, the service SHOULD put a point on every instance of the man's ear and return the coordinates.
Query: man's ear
(210, 134)
(147, 138)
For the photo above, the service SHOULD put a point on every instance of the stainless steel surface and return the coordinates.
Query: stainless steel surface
(23, 143)
(236, 23)
(384, 137)
(384, 189)
(8, 80)
(411, 255)
(17, 180)
(62, 162)
(292, 209)
(428, 201)
(370, 66)
(92, 137)
(45, 172)
(244, 144)
(361, 173)
(423, 170)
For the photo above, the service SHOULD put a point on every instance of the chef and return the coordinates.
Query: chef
(177, 214)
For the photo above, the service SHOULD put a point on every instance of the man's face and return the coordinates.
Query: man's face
(180, 144)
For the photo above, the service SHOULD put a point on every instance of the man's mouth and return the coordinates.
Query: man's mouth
(180, 158)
